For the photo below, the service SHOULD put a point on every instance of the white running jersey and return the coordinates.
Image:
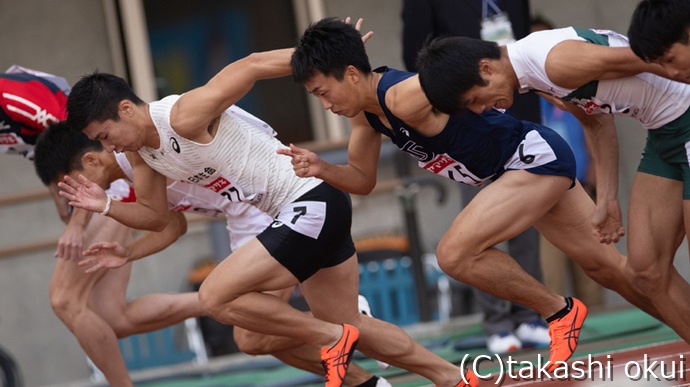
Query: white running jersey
(653, 100)
(243, 221)
(240, 164)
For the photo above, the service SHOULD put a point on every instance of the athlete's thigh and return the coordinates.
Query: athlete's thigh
(332, 292)
(505, 208)
(655, 221)
(108, 297)
(568, 226)
(248, 269)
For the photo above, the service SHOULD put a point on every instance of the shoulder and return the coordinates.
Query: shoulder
(407, 101)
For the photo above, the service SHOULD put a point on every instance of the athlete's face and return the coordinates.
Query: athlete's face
(92, 169)
(340, 97)
(121, 135)
(496, 93)
(115, 136)
(676, 61)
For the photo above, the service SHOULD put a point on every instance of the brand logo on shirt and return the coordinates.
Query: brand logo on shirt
(218, 184)
(438, 164)
(417, 151)
(174, 144)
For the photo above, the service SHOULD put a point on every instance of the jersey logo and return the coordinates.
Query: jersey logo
(276, 224)
(417, 151)
(30, 110)
(218, 184)
(174, 144)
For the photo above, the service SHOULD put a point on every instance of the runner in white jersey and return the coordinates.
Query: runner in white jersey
(244, 221)
(309, 241)
(240, 163)
(596, 71)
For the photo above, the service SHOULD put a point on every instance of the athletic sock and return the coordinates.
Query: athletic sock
(369, 383)
(562, 312)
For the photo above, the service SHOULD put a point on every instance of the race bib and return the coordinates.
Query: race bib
(306, 218)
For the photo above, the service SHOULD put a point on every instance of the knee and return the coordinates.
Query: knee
(455, 261)
(211, 303)
(122, 328)
(65, 305)
(647, 279)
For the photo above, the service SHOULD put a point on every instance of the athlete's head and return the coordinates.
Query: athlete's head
(60, 151)
(659, 33)
(450, 67)
(98, 105)
(330, 60)
(329, 47)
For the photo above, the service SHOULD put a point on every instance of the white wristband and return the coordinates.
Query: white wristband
(107, 206)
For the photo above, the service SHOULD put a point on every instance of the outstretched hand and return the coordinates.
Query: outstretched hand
(104, 255)
(83, 193)
(358, 27)
(305, 163)
(608, 226)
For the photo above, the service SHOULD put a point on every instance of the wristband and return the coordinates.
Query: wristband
(107, 206)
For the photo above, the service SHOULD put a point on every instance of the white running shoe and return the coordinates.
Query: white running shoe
(365, 309)
(503, 342)
(534, 334)
(383, 383)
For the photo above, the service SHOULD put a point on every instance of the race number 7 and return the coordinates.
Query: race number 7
(301, 210)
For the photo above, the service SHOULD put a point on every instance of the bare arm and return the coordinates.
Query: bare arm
(71, 242)
(149, 212)
(358, 176)
(195, 109)
(61, 204)
(191, 115)
(112, 254)
(574, 63)
(602, 141)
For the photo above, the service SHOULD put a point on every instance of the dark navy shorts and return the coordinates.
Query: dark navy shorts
(542, 151)
(312, 232)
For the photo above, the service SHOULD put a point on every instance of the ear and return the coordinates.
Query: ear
(126, 108)
(485, 67)
(90, 159)
(352, 74)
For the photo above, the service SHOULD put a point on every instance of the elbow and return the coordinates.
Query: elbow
(365, 189)
(159, 223)
(368, 189)
(157, 227)
(181, 222)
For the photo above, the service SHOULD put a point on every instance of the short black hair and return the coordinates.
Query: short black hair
(96, 97)
(329, 46)
(656, 25)
(449, 67)
(59, 150)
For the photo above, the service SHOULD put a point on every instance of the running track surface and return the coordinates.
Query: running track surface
(664, 364)
(619, 340)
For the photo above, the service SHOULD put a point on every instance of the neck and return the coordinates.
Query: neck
(371, 97)
(151, 136)
(507, 68)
